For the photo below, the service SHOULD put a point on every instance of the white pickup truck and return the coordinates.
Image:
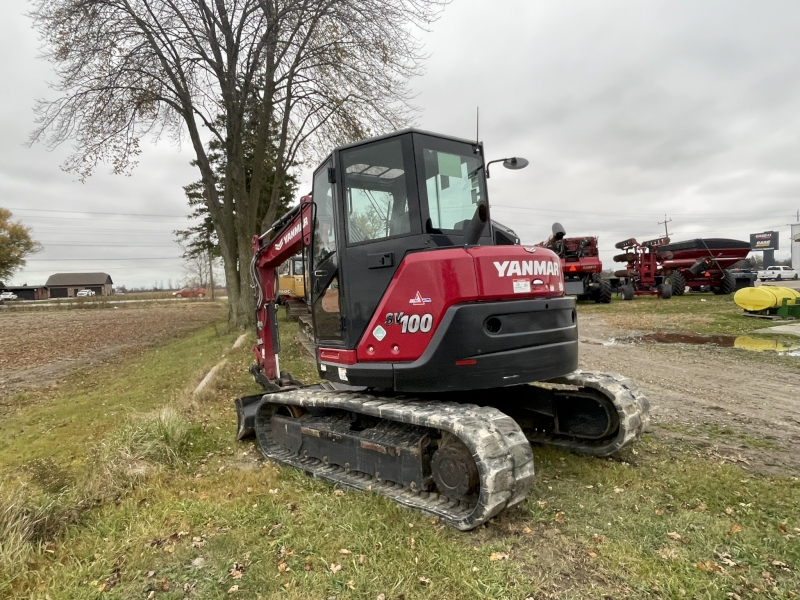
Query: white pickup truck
(777, 273)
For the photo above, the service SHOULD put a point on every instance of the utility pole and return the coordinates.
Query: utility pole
(664, 223)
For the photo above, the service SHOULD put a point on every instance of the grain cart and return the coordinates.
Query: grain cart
(702, 262)
(430, 338)
(580, 262)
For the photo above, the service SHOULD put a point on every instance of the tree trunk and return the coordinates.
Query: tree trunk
(211, 272)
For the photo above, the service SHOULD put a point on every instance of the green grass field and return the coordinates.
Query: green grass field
(120, 484)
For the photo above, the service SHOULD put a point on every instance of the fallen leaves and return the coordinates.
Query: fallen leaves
(237, 571)
(674, 535)
(560, 517)
(498, 556)
(710, 566)
(345, 552)
(725, 559)
(735, 529)
(424, 580)
(233, 589)
(335, 568)
(668, 554)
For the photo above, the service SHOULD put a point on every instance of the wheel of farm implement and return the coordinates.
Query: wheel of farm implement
(627, 292)
(678, 283)
(602, 289)
(666, 289)
(625, 258)
(454, 471)
(726, 286)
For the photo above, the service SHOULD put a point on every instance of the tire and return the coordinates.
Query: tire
(666, 290)
(678, 283)
(201, 296)
(795, 277)
(627, 292)
(778, 278)
(602, 293)
(726, 285)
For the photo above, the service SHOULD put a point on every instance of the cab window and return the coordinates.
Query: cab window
(376, 192)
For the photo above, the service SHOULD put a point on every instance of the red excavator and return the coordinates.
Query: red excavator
(445, 350)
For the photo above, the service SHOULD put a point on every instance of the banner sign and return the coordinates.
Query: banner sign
(768, 240)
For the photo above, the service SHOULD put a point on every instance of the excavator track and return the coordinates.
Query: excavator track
(497, 437)
(631, 406)
(501, 452)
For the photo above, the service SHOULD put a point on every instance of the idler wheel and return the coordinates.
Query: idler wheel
(454, 471)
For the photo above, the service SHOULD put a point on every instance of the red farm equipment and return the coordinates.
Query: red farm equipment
(580, 263)
(703, 262)
(658, 267)
(642, 275)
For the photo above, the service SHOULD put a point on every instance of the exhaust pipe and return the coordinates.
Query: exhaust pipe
(477, 224)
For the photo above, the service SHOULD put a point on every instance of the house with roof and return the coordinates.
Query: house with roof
(66, 285)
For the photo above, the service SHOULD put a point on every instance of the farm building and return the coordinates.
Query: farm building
(28, 292)
(66, 285)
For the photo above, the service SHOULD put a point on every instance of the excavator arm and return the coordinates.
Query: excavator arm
(287, 236)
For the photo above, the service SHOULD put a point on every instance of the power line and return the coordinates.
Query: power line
(90, 212)
(627, 214)
(95, 218)
(76, 259)
(144, 245)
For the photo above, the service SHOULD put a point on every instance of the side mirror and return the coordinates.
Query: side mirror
(515, 163)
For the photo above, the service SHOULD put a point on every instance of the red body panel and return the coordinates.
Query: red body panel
(426, 284)
(585, 264)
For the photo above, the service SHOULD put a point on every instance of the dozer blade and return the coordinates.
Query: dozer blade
(404, 449)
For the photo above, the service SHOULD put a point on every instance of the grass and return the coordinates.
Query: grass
(692, 312)
(712, 432)
(155, 502)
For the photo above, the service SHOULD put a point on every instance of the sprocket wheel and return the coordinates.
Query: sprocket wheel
(454, 471)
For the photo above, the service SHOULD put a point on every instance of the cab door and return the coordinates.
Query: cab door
(326, 292)
(380, 223)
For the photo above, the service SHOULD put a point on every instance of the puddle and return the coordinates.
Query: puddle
(743, 342)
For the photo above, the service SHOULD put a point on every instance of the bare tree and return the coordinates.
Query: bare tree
(318, 72)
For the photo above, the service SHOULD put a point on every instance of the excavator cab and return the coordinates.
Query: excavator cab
(377, 201)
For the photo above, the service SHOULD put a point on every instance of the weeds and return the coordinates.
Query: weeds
(27, 520)
(163, 437)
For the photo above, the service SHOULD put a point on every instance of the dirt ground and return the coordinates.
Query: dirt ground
(39, 347)
(727, 403)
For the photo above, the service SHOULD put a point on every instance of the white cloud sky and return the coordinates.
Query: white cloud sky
(626, 110)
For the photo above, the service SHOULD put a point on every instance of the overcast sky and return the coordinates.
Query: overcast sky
(626, 110)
